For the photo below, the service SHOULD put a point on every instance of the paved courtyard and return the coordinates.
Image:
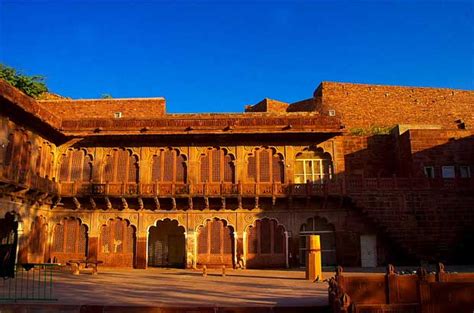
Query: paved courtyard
(174, 287)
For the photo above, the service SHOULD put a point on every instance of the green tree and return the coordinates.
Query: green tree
(106, 96)
(31, 85)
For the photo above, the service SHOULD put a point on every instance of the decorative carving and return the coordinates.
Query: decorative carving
(206, 203)
(190, 203)
(222, 203)
(93, 204)
(108, 204)
(77, 204)
(124, 203)
(141, 206)
(56, 202)
(173, 201)
(157, 203)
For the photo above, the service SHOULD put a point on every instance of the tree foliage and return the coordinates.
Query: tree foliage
(31, 85)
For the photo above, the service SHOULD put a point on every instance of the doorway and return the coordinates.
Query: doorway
(368, 250)
(166, 245)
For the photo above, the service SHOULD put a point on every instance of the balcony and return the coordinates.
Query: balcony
(336, 187)
(198, 190)
(24, 179)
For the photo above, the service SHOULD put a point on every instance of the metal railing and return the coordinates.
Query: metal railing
(32, 282)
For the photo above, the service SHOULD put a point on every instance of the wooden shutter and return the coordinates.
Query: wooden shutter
(205, 168)
(264, 163)
(64, 169)
(229, 170)
(76, 165)
(156, 168)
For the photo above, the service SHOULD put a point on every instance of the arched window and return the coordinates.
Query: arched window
(117, 243)
(215, 243)
(44, 160)
(169, 166)
(266, 166)
(69, 240)
(217, 166)
(121, 166)
(313, 166)
(76, 165)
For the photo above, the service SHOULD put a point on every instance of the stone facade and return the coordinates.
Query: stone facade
(146, 188)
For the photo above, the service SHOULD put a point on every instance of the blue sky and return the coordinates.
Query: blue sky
(217, 56)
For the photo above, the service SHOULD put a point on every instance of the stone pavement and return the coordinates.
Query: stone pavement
(158, 287)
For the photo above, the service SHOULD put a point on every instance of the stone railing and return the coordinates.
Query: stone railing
(342, 186)
(28, 180)
(204, 189)
(399, 292)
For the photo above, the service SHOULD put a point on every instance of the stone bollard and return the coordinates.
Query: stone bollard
(204, 271)
(223, 270)
(313, 259)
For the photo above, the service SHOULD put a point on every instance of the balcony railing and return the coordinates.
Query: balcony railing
(28, 180)
(337, 187)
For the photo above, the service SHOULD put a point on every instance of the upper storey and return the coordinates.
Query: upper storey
(334, 108)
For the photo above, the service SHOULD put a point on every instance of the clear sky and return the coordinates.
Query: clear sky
(217, 56)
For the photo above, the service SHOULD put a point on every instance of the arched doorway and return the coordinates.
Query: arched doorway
(319, 226)
(70, 240)
(216, 243)
(166, 244)
(266, 244)
(8, 245)
(117, 243)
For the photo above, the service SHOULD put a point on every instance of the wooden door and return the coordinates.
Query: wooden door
(368, 250)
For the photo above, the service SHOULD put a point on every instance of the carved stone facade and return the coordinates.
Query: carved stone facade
(226, 189)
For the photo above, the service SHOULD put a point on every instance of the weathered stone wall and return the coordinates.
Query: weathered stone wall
(106, 108)
(365, 106)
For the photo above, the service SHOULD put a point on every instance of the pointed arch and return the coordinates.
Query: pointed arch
(215, 242)
(266, 243)
(314, 165)
(169, 166)
(121, 165)
(75, 165)
(69, 240)
(217, 165)
(266, 165)
(117, 242)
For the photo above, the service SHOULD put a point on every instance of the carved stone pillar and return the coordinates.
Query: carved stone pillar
(141, 251)
(22, 252)
(93, 246)
(191, 249)
(242, 262)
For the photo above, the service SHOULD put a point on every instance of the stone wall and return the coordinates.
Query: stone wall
(365, 106)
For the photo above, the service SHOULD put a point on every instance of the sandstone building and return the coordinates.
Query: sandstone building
(382, 173)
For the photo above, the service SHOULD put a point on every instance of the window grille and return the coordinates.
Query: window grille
(156, 168)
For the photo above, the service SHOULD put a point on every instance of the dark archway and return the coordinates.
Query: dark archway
(166, 244)
(319, 226)
(8, 245)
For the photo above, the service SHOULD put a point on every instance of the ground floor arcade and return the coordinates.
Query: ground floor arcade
(185, 239)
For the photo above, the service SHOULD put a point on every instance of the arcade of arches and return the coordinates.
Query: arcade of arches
(123, 228)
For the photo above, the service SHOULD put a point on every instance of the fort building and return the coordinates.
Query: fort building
(382, 173)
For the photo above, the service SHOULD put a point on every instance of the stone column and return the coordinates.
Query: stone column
(244, 249)
(22, 246)
(141, 250)
(313, 259)
(93, 246)
(287, 250)
(237, 248)
(191, 249)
